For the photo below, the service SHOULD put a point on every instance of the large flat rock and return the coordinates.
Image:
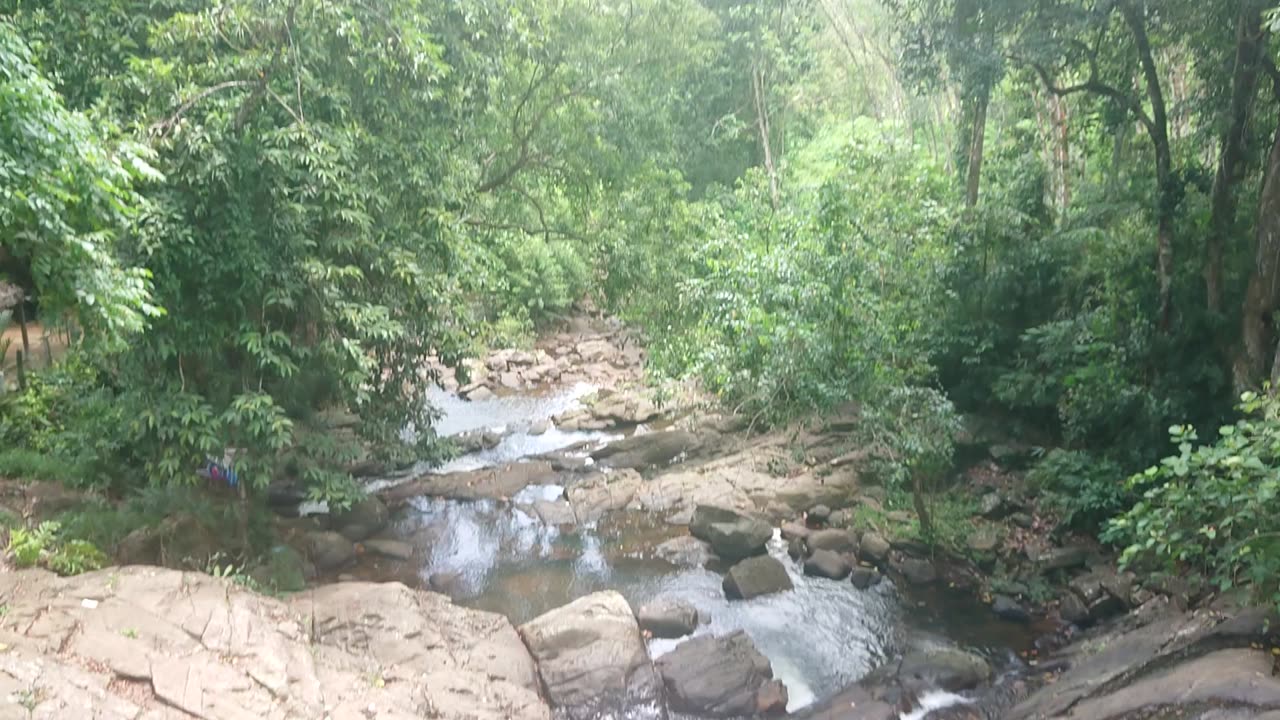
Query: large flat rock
(146, 643)
(591, 657)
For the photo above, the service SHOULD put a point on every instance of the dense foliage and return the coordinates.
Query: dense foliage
(259, 212)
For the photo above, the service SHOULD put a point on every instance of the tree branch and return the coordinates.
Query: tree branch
(161, 127)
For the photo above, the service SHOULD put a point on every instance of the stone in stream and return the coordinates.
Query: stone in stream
(685, 550)
(874, 547)
(1006, 608)
(668, 618)
(951, 669)
(591, 657)
(916, 571)
(722, 676)
(865, 577)
(827, 564)
(732, 535)
(753, 577)
(540, 426)
(362, 520)
(394, 549)
(328, 550)
(479, 393)
(642, 452)
(834, 539)
(793, 530)
(818, 515)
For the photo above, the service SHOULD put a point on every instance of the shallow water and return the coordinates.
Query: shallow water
(497, 556)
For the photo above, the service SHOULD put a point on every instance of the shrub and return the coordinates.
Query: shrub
(45, 545)
(1209, 509)
(1085, 490)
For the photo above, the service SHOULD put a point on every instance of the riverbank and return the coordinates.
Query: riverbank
(601, 544)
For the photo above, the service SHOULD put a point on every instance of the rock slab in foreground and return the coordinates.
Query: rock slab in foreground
(591, 657)
(722, 676)
(756, 576)
(147, 643)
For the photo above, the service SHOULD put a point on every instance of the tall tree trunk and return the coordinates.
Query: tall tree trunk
(1063, 151)
(762, 124)
(1159, 130)
(977, 137)
(1222, 202)
(1258, 347)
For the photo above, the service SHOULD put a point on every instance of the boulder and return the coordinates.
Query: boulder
(865, 577)
(992, 506)
(722, 676)
(1061, 558)
(796, 549)
(540, 426)
(685, 551)
(394, 549)
(284, 570)
(874, 547)
(650, 450)
(756, 576)
(1006, 608)
(818, 514)
(363, 519)
(791, 531)
(834, 539)
(1072, 609)
(668, 618)
(916, 571)
(328, 550)
(479, 393)
(144, 642)
(827, 564)
(591, 657)
(948, 668)
(475, 440)
(983, 540)
(732, 535)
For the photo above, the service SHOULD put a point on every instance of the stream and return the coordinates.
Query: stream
(493, 555)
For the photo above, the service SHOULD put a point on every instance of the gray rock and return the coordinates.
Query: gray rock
(393, 549)
(819, 514)
(651, 450)
(363, 520)
(1061, 558)
(756, 576)
(796, 549)
(991, 506)
(591, 657)
(1072, 609)
(948, 668)
(834, 539)
(827, 564)
(983, 540)
(329, 550)
(447, 583)
(540, 427)
(722, 676)
(916, 571)
(1022, 520)
(865, 577)
(874, 547)
(732, 535)
(479, 393)
(1006, 608)
(685, 551)
(792, 530)
(668, 618)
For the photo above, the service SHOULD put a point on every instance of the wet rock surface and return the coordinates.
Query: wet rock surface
(723, 676)
(591, 657)
(668, 618)
(756, 576)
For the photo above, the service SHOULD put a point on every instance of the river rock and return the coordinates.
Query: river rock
(983, 540)
(916, 571)
(478, 393)
(394, 549)
(363, 519)
(328, 550)
(686, 550)
(1072, 609)
(1006, 608)
(591, 657)
(874, 547)
(732, 535)
(865, 577)
(792, 530)
(144, 642)
(540, 426)
(1061, 558)
(827, 564)
(722, 676)
(475, 440)
(756, 576)
(834, 539)
(818, 515)
(650, 450)
(796, 549)
(668, 618)
(948, 668)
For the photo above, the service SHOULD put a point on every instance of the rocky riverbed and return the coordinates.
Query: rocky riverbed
(602, 549)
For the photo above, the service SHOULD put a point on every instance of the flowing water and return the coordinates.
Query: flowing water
(493, 555)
